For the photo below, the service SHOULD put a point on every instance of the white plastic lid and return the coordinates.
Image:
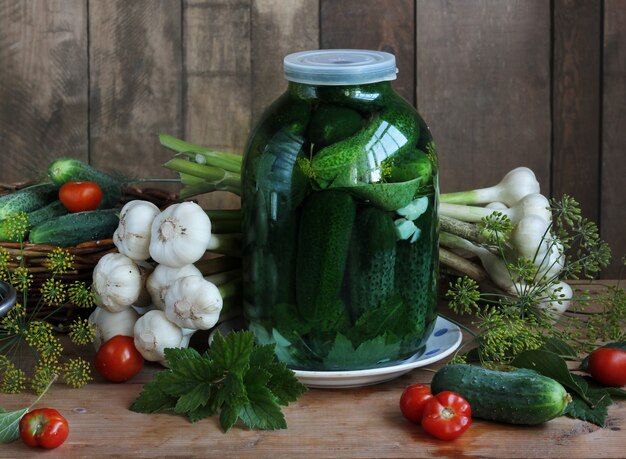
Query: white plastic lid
(340, 67)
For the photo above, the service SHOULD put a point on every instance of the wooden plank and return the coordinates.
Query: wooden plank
(613, 205)
(217, 93)
(278, 28)
(385, 26)
(483, 86)
(43, 85)
(135, 83)
(333, 423)
(576, 103)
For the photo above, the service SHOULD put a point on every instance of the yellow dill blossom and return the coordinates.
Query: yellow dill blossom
(21, 278)
(43, 375)
(11, 323)
(13, 380)
(5, 362)
(77, 372)
(40, 337)
(82, 332)
(81, 295)
(17, 225)
(60, 261)
(5, 260)
(53, 291)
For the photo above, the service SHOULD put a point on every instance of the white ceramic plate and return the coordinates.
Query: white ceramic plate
(444, 340)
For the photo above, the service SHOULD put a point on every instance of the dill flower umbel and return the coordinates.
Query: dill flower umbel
(13, 380)
(43, 375)
(53, 291)
(77, 372)
(81, 295)
(17, 225)
(82, 332)
(60, 261)
(5, 259)
(21, 278)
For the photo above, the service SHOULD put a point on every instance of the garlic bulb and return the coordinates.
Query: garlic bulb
(154, 333)
(180, 235)
(117, 282)
(163, 277)
(109, 324)
(193, 302)
(132, 236)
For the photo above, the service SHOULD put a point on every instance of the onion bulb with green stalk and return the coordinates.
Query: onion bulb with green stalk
(531, 239)
(514, 186)
(163, 277)
(117, 282)
(181, 234)
(564, 293)
(532, 204)
(132, 236)
(153, 333)
(109, 324)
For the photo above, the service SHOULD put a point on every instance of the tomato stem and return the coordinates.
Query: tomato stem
(447, 413)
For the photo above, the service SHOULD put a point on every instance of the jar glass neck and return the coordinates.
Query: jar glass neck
(365, 92)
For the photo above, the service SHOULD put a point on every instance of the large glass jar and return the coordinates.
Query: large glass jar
(340, 217)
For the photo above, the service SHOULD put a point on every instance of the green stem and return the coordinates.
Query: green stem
(227, 244)
(218, 264)
(463, 229)
(225, 226)
(460, 325)
(224, 214)
(227, 161)
(190, 191)
(231, 288)
(210, 174)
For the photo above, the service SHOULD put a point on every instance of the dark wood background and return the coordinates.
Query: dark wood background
(501, 83)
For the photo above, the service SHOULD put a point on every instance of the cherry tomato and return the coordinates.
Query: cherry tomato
(412, 401)
(79, 196)
(44, 427)
(608, 366)
(446, 415)
(118, 359)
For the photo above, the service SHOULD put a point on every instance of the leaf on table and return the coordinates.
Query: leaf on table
(9, 424)
(579, 409)
(553, 366)
(593, 384)
(233, 377)
(560, 348)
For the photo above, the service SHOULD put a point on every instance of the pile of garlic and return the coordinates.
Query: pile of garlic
(164, 302)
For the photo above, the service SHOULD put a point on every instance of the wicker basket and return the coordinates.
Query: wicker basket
(86, 255)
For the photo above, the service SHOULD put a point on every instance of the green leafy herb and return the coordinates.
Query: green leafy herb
(9, 424)
(344, 355)
(234, 377)
(579, 409)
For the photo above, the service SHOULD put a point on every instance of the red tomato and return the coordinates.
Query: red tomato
(44, 427)
(118, 359)
(446, 416)
(79, 196)
(608, 366)
(412, 401)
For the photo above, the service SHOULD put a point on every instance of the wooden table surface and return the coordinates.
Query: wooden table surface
(323, 423)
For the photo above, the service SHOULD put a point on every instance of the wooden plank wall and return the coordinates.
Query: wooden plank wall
(500, 82)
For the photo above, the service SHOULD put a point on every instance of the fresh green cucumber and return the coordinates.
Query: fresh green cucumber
(517, 397)
(34, 218)
(323, 243)
(65, 169)
(27, 199)
(72, 229)
(372, 259)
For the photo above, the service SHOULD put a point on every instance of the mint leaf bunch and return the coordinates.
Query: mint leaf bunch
(235, 378)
